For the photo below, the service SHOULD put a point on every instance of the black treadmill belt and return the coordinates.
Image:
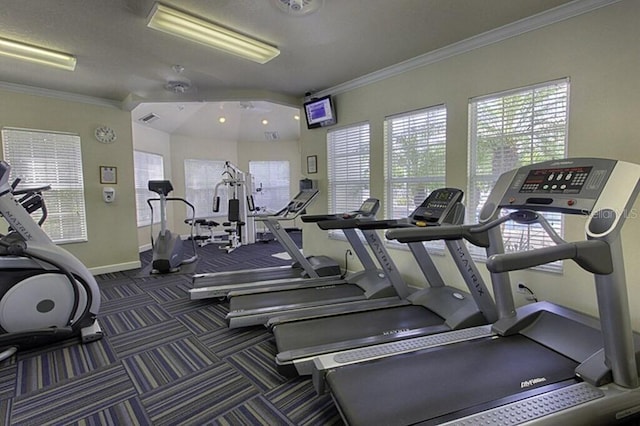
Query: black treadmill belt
(293, 297)
(350, 326)
(416, 387)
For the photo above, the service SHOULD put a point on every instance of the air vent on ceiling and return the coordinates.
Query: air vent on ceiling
(149, 118)
(271, 136)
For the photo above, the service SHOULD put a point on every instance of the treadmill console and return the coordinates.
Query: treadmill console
(369, 207)
(302, 200)
(435, 209)
(567, 186)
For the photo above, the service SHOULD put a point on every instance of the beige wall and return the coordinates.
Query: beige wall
(112, 243)
(598, 51)
(113, 235)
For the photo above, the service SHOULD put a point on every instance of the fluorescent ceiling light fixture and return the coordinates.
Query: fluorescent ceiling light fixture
(18, 50)
(183, 25)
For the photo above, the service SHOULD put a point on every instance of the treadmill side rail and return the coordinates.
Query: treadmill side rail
(240, 318)
(324, 363)
(534, 408)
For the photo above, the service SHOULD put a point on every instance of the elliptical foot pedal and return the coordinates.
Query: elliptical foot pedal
(91, 333)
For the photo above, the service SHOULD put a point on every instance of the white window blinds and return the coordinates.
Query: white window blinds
(512, 129)
(348, 167)
(272, 182)
(147, 166)
(40, 157)
(415, 154)
(201, 178)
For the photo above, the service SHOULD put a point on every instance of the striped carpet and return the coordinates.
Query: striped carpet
(164, 360)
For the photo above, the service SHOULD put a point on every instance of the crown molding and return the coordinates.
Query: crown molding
(540, 20)
(552, 16)
(67, 96)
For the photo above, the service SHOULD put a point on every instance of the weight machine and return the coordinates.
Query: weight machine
(240, 226)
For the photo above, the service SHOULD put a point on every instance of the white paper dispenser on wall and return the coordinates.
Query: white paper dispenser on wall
(108, 194)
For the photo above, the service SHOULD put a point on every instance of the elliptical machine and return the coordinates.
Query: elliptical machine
(168, 248)
(46, 294)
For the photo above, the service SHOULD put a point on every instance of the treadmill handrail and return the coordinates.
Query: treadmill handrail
(594, 256)
(297, 206)
(368, 209)
(312, 218)
(384, 224)
(345, 223)
(475, 234)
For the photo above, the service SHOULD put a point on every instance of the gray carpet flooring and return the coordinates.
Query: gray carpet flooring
(164, 360)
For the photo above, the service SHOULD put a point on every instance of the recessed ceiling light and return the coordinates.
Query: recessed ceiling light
(296, 117)
(265, 121)
(222, 119)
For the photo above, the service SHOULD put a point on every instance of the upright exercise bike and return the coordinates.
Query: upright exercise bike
(46, 294)
(168, 248)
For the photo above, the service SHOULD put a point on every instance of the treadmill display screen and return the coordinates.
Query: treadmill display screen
(564, 180)
(436, 205)
(442, 196)
(368, 208)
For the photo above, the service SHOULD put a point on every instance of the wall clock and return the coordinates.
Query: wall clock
(105, 134)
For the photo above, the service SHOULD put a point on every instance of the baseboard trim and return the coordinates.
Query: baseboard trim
(115, 268)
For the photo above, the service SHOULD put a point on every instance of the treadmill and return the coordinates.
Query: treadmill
(319, 268)
(363, 290)
(435, 309)
(543, 364)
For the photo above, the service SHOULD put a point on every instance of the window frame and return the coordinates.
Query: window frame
(45, 157)
(142, 193)
(279, 185)
(212, 171)
(348, 150)
(428, 129)
(515, 154)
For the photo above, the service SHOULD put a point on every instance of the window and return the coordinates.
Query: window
(272, 183)
(509, 130)
(40, 157)
(147, 167)
(201, 178)
(348, 167)
(415, 154)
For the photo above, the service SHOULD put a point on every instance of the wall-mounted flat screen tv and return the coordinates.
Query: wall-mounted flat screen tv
(320, 112)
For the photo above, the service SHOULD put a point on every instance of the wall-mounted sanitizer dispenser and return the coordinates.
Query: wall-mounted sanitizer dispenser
(108, 194)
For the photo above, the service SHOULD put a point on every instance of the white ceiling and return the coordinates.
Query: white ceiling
(126, 63)
(243, 120)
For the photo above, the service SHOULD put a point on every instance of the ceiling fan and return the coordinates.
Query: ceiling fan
(298, 7)
(178, 83)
